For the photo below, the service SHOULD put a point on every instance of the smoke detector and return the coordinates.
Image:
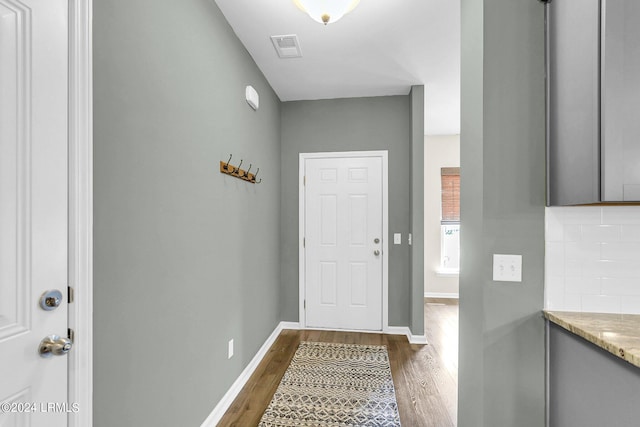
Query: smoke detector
(287, 46)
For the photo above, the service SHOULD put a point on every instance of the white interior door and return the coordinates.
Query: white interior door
(343, 243)
(33, 209)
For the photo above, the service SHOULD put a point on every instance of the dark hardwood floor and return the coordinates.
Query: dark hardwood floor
(425, 377)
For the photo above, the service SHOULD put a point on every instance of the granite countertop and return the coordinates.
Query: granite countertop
(619, 334)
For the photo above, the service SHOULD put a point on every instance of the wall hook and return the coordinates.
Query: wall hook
(236, 170)
(229, 169)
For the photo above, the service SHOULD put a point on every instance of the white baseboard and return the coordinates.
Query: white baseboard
(289, 325)
(418, 339)
(398, 330)
(404, 330)
(441, 295)
(448, 273)
(221, 408)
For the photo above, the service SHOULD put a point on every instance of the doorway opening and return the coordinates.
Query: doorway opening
(442, 254)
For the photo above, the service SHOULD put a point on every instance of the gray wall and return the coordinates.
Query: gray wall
(589, 387)
(185, 258)
(417, 209)
(355, 124)
(502, 365)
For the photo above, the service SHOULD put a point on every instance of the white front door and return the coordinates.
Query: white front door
(33, 209)
(343, 243)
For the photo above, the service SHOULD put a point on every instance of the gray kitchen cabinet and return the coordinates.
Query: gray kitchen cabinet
(587, 386)
(593, 72)
(620, 100)
(573, 150)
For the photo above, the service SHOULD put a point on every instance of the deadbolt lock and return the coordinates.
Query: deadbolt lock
(50, 300)
(376, 240)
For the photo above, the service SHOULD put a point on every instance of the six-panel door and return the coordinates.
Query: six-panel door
(343, 249)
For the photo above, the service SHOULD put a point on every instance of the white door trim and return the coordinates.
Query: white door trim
(81, 210)
(384, 155)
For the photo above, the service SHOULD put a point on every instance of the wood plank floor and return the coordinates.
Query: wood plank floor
(425, 377)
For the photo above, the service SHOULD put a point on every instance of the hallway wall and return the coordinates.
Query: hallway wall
(502, 338)
(353, 124)
(186, 258)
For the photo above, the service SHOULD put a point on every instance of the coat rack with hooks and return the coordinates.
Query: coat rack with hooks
(235, 171)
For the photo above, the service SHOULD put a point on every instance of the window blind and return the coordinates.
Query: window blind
(450, 178)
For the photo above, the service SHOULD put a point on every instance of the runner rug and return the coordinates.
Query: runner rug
(335, 385)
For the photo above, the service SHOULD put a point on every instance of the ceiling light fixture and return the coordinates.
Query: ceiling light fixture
(326, 11)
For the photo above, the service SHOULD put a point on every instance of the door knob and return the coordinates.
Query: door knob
(50, 300)
(376, 240)
(376, 252)
(54, 345)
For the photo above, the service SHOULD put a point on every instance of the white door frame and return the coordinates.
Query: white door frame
(384, 156)
(81, 210)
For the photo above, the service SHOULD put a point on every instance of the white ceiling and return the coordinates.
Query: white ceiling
(383, 47)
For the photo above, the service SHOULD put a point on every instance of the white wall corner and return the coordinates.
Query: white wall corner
(398, 330)
(404, 330)
(418, 339)
(289, 325)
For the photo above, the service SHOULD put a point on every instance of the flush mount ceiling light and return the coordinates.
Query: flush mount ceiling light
(326, 11)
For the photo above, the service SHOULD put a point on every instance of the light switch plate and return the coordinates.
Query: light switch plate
(230, 352)
(409, 239)
(507, 268)
(397, 238)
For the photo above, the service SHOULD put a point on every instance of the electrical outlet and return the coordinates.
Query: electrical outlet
(230, 349)
(507, 268)
(397, 238)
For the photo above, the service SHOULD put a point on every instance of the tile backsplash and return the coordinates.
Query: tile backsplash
(592, 259)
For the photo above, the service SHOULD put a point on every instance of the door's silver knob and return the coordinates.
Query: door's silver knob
(376, 252)
(376, 240)
(50, 300)
(54, 345)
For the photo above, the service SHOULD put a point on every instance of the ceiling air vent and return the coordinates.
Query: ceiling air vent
(287, 46)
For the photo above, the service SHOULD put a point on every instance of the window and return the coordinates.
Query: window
(450, 178)
(450, 221)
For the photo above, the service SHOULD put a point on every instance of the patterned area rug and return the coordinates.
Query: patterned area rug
(335, 385)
